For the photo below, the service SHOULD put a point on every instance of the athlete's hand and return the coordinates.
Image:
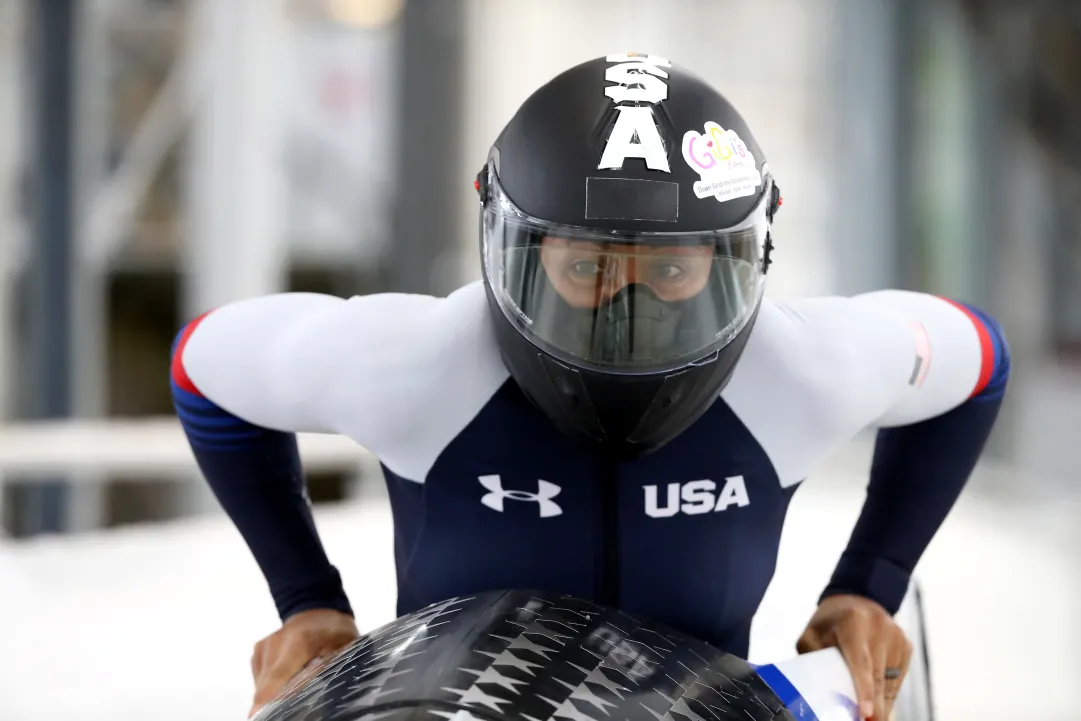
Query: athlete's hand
(304, 638)
(870, 642)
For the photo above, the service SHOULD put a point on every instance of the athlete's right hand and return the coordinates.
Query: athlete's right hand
(304, 638)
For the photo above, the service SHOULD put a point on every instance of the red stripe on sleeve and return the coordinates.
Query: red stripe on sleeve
(179, 373)
(987, 348)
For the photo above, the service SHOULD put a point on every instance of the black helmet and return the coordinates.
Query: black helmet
(625, 235)
(523, 655)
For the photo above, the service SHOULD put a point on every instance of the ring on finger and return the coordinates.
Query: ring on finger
(892, 673)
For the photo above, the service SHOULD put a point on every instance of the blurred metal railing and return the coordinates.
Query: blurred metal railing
(90, 453)
(150, 447)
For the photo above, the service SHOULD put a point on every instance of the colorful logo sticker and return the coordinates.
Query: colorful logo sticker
(725, 164)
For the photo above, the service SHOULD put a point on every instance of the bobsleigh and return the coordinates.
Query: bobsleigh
(526, 655)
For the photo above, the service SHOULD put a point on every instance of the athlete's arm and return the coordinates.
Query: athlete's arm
(932, 373)
(248, 376)
(245, 378)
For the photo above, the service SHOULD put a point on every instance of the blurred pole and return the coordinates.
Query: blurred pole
(991, 171)
(424, 256)
(87, 506)
(11, 167)
(873, 224)
(49, 278)
(12, 240)
(235, 241)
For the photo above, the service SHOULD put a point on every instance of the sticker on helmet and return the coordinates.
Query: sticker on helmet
(638, 79)
(725, 164)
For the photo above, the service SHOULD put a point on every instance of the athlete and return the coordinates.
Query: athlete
(615, 411)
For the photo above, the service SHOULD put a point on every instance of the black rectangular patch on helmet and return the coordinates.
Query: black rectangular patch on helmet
(632, 199)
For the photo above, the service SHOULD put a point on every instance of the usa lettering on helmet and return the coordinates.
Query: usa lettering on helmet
(638, 79)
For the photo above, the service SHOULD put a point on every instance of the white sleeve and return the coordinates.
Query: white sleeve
(818, 371)
(400, 374)
(941, 344)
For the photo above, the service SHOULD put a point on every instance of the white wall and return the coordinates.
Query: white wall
(770, 59)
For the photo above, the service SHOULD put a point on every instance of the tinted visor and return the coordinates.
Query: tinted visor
(622, 302)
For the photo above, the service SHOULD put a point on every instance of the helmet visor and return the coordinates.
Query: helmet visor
(622, 302)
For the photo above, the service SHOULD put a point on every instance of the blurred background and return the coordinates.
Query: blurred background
(161, 157)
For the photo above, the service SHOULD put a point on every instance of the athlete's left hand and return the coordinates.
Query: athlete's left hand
(870, 642)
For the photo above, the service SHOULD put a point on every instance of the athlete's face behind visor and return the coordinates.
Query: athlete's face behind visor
(589, 274)
(636, 303)
(624, 306)
(633, 307)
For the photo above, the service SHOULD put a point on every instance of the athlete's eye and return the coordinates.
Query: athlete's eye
(668, 271)
(585, 268)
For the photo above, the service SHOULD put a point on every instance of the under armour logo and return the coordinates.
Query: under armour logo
(543, 497)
